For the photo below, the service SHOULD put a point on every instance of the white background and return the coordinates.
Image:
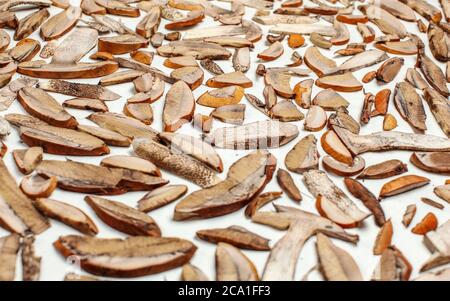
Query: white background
(54, 266)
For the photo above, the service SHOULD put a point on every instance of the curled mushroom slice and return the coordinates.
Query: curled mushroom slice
(227, 41)
(236, 236)
(30, 23)
(381, 102)
(28, 159)
(439, 106)
(179, 106)
(132, 163)
(345, 82)
(274, 51)
(433, 74)
(342, 35)
(408, 47)
(161, 197)
(59, 24)
(384, 170)
(332, 165)
(304, 156)
(333, 146)
(362, 60)
(67, 214)
(109, 137)
(436, 162)
(409, 105)
(402, 184)
(233, 265)
(38, 187)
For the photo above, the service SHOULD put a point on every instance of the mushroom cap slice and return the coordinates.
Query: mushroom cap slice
(59, 24)
(236, 236)
(179, 106)
(436, 162)
(233, 265)
(402, 184)
(304, 156)
(345, 82)
(161, 197)
(41, 69)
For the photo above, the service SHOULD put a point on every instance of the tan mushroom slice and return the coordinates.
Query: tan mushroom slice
(202, 122)
(440, 108)
(30, 23)
(386, 22)
(143, 83)
(56, 140)
(261, 200)
(90, 7)
(38, 187)
(331, 201)
(132, 163)
(67, 214)
(342, 119)
(25, 50)
(335, 263)
(179, 106)
(230, 41)
(246, 178)
(316, 119)
(287, 184)
(384, 170)
(120, 77)
(437, 242)
(161, 197)
(409, 214)
(140, 111)
(333, 146)
(342, 35)
(408, 47)
(414, 78)
(126, 126)
(31, 264)
(447, 72)
(236, 78)
(157, 39)
(28, 159)
(384, 141)
(275, 19)
(304, 156)
(318, 63)
(119, 8)
(332, 165)
(281, 264)
(192, 273)
(362, 60)
(446, 9)
(433, 74)
(121, 44)
(192, 18)
(40, 104)
(279, 79)
(109, 25)
(438, 162)
(274, 51)
(303, 29)
(286, 111)
(109, 137)
(130, 257)
(236, 236)
(443, 191)
(424, 9)
(192, 76)
(402, 184)
(409, 105)
(61, 23)
(8, 19)
(142, 56)
(180, 61)
(95, 105)
(397, 9)
(345, 82)
(260, 134)
(389, 69)
(222, 96)
(233, 265)
(150, 23)
(330, 100)
(199, 50)
(123, 218)
(9, 92)
(9, 248)
(393, 266)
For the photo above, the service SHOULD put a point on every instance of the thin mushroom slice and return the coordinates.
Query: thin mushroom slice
(143, 83)
(446, 9)
(279, 79)
(75, 46)
(287, 184)
(341, 118)
(409, 105)
(120, 77)
(230, 41)
(236, 236)
(132, 163)
(440, 108)
(246, 178)
(150, 23)
(402, 184)
(277, 18)
(397, 8)
(192, 273)
(202, 122)
(8, 19)
(90, 7)
(124, 258)
(180, 61)
(161, 197)
(367, 32)
(222, 96)
(241, 59)
(67, 214)
(109, 137)
(28, 159)
(441, 275)
(330, 100)
(9, 92)
(123, 218)
(384, 170)
(260, 201)
(274, 51)
(424, 9)
(142, 56)
(140, 111)
(303, 91)
(260, 134)
(211, 66)
(30, 23)
(342, 35)
(433, 74)
(304, 156)
(383, 239)
(443, 191)
(408, 47)
(345, 82)
(316, 119)
(436, 162)
(386, 22)
(199, 50)
(437, 242)
(362, 60)
(38, 187)
(179, 106)
(332, 165)
(59, 24)
(121, 44)
(236, 78)
(192, 76)
(333, 146)
(25, 50)
(233, 265)
(318, 63)
(95, 105)
(9, 249)
(409, 214)
(427, 224)
(119, 8)
(414, 78)
(393, 266)
(193, 18)
(4, 40)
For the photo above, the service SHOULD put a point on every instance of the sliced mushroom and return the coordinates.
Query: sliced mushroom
(440, 108)
(361, 60)
(383, 239)
(30, 23)
(345, 82)
(222, 96)
(161, 197)
(304, 156)
(333, 146)
(192, 273)
(437, 242)
(95, 105)
(38, 187)
(367, 32)
(305, 29)
(131, 163)
(179, 106)
(28, 159)
(78, 90)
(424, 9)
(236, 236)
(386, 22)
(199, 50)
(119, 8)
(149, 24)
(274, 51)
(392, 266)
(427, 224)
(402, 184)
(120, 77)
(61, 23)
(408, 47)
(342, 119)
(109, 137)
(286, 111)
(316, 119)
(414, 78)
(329, 100)
(203, 122)
(443, 191)
(409, 214)
(332, 165)
(261, 200)
(318, 63)
(180, 61)
(236, 78)
(241, 59)
(25, 50)
(121, 44)
(288, 186)
(140, 111)
(433, 74)
(381, 102)
(192, 76)
(211, 67)
(233, 265)
(437, 162)
(303, 92)
(142, 56)
(384, 170)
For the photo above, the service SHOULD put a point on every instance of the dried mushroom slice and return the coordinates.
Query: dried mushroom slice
(433, 74)
(233, 265)
(222, 96)
(443, 191)
(324, 30)
(440, 108)
(279, 79)
(427, 224)
(332, 165)
(241, 59)
(409, 105)
(143, 83)
(384, 170)
(211, 66)
(274, 51)
(90, 7)
(95, 105)
(303, 91)
(61, 23)
(246, 178)
(25, 50)
(120, 77)
(150, 23)
(119, 8)
(67, 214)
(386, 22)
(318, 63)
(9, 248)
(123, 218)
(261, 200)
(402, 184)
(180, 61)
(121, 44)
(304, 156)
(28, 159)
(179, 106)
(202, 122)
(236, 78)
(142, 56)
(330, 100)
(192, 76)
(192, 273)
(397, 9)
(436, 162)
(8, 19)
(408, 47)
(424, 9)
(140, 111)
(236, 236)
(30, 23)
(389, 69)
(4, 40)
(286, 111)
(383, 239)
(440, 275)
(409, 214)
(287, 184)
(341, 118)
(345, 82)
(333, 146)
(161, 197)
(131, 163)
(124, 258)
(393, 266)
(361, 60)
(38, 187)
(192, 18)
(199, 50)
(109, 137)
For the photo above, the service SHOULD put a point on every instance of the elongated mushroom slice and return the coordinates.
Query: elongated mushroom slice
(211, 66)
(386, 22)
(397, 9)
(161, 197)
(260, 201)
(18, 214)
(409, 105)
(140, 111)
(260, 134)
(123, 218)
(192, 76)
(9, 93)
(192, 273)
(90, 7)
(236, 78)
(304, 156)
(131, 163)
(383, 239)
(143, 83)
(318, 63)
(67, 214)
(9, 248)
(342, 119)
(126, 126)
(440, 108)
(179, 106)
(402, 184)
(222, 96)
(236, 236)
(31, 264)
(40, 104)
(332, 165)
(345, 82)
(120, 77)
(438, 243)
(150, 23)
(427, 224)
(432, 162)
(121, 44)
(361, 60)
(424, 9)
(283, 257)
(367, 32)
(130, 257)
(246, 178)
(446, 9)
(233, 265)
(109, 137)
(288, 186)
(393, 266)
(384, 170)
(30, 23)
(59, 24)
(241, 59)
(25, 50)
(330, 100)
(284, 19)
(180, 61)
(55, 140)
(199, 50)
(336, 264)
(95, 105)
(119, 8)
(274, 51)
(280, 82)
(28, 159)
(408, 47)
(433, 74)
(333, 146)
(409, 214)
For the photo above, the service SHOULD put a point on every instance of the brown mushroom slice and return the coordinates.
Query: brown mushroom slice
(333, 146)
(140, 111)
(433, 74)
(193, 18)
(393, 266)
(90, 7)
(236, 78)
(95, 105)
(246, 178)
(383, 239)
(286, 111)
(384, 170)
(443, 191)
(437, 242)
(279, 79)
(362, 60)
(131, 257)
(277, 18)
(409, 105)
(233, 265)
(132, 163)
(78, 90)
(335, 263)
(330, 100)
(123, 218)
(342, 35)
(287, 184)
(260, 134)
(316, 119)
(446, 9)
(28, 159)
(409, 214)
(4, 40)
(61, 23)
(120, 77)
(318, 63)
(161, 197)
(241, 59)
(119, 8)
(303, 91)
(341, 169)
(414, 78)
(142, 56)
(8, 19)
(236, 236)
(367, 32)
(389, 69)
(260, 201)
(230, 41)
(109, 137)
(345, 82)
(178, 107)
(192, 273)
(150, 23)
(424, 9)
(402, 184)
(397, 9)
(67, 214)
(9, 248)
(9, 92)
(38, 187)
(211, 66)
(121, 44)
(25, 50)
(407, 47)
(199, 50)
(440, 108)
(274, 51)
(304, 156)
(49, 49)
(436, 162)
(222, 96)
(342, 119)
(386, 22)
(30, 23)
(143, 83)
(31, 264)
(389, 122)
(192, 76)
(180, 61)
(41, 105)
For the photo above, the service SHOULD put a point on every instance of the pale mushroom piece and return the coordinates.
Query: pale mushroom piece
(61, 23)
(95, 105)
(330, 100)
(233, 265)
(345, 82)
(304, 156)
(161, 197)
(120, 77)
(140, 111)
(109, 137)
(28, 159)
(237, 236)
(9, 249)
(132, 163)
(192, 76)
(179, 106)
(35, 186)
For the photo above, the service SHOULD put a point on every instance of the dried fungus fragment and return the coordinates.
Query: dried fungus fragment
(304, 156)
(150, 23)
(192, 76)
(389, 69)
(318, 63)
(233, 265)
(78, 90)
(389, 122)
(236, 236)
(384, 170)
(303, 91)
(409, 214)
(261, 200)
(25, 50)
(274, 51)
(121, 44)
(437, 242)
(199, 50)
(236, 78)
(345, 82)
(161, 197)
(440, 108)
(393, 266)
(332, 165)
(330, 100)
(31, 264)
(178, 107)
(436, 162)
(140, 111)
(211, 66)
(427, 224)
(30, 23)
(61, 23)
(241, 59)
(192, 273)
(425, 9)
(383, 239)
(109, 137)
(402, 184)
(333, 146)
(341, 118)
(28, 159)
(119, 8)
(95, 105)
(222, 96)
(433, 75)
(287, 184)
(286, 111)
(9, 248)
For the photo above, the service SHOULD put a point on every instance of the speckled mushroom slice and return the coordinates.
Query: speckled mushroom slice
(260, 134)
(125, 43)
(31, 264)
(192, 76)
(140, 111)
(384, 170)
(409, 105)
(440, 108)
(124, 125)
(192, 273)
(121, 77)
(303, 156)
(180, 61)
(199, 50)
(9, 249)
(109, 137)
(236, 236)
(95, 105)
(330, 100)
(303, 29)
(28, 159)
(25, 50)
(288, 185)
(436, 162)
(56, 140)
(393, 266)
(30, 23)
(40, 104)
(414, 78)
(178, 107)
(161, 197)
(233, 265)
(345, 82)
(17, 4)
(433, 74)
(233, 113)
(119, 8)
(397, 9)
(274, 51)
(389, 69)
(48, 50)
(124, 258)
(150, 23)
(222, 96)
(338, 168)
(193, 147)
(35, 186)
(173, 160)
(236, 78)
(67, 214)
(8, 19)
(18, 215)
(132, 163)
(437, 242)
(123, 218)
(402, 184)
(281, 264)
(386, 22)
(61, 23)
